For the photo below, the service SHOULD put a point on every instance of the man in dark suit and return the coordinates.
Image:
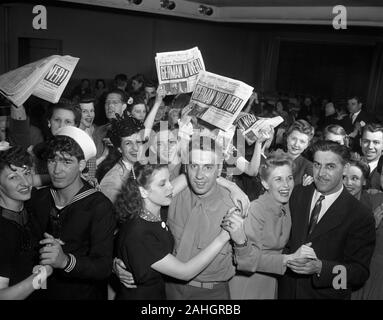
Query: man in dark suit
(340, 229)
(356, 120)
(372, 147)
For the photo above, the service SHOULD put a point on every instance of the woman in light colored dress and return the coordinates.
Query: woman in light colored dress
(267, 228)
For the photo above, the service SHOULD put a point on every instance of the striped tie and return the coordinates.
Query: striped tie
(315, 214)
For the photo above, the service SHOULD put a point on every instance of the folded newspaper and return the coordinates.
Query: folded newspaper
(45, 78)
(177, 71)
(218, 100)
(250, 125)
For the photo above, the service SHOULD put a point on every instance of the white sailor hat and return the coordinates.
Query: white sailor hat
(85, 142)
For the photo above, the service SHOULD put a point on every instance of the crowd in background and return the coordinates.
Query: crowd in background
(79, 207)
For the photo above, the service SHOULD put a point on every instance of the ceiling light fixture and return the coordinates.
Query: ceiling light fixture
(167, 4)
(205, 10)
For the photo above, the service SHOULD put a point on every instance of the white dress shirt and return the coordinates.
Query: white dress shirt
(354, 115)
(373, 165)
(326, 202)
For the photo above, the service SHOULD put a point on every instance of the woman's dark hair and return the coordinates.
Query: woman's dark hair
(113, 157)
(180, 101)
(16, 156)
(129, 203)
(138, 98)
(362, 166)
(122, 127)
(62, 145)
(66, 105)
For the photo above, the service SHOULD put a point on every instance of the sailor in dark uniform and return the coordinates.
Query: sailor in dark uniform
(75, 221)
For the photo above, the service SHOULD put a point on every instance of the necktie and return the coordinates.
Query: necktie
(315, 214)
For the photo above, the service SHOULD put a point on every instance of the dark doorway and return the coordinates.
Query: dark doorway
(33, 49)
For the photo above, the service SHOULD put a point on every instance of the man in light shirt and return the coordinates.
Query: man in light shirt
(339, 228)
(372, 146)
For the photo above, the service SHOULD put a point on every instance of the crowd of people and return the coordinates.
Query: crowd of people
(112, 196)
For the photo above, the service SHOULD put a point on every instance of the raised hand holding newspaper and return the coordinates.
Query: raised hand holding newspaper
(45, 78)
(250, 126)
(218, 100)
(177, 71)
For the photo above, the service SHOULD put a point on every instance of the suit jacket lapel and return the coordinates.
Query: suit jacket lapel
(333, 216)
(306, 206)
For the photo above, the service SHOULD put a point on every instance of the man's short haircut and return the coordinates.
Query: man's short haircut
(373, 127)
(325, 145)
(357, 98)
(16, 156)
(64, 145)
(151, 83)
(205, 143)
(121, 93)
(121, 77)
(139, 78)
(66, 105)
(302, 126)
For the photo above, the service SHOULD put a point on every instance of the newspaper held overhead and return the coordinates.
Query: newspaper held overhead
(177, 71)
(250, 125)
(45, 78)
(218, 100)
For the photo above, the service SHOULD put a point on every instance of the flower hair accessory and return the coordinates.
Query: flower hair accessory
(130, 100)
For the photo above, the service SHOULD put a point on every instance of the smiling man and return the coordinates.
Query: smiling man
(339, 227)
(372, 146)
(195, 217)
(115, 103)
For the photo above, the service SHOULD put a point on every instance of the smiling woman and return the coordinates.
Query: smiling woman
(299, 136)
(145, 243)
(18, 246)
(268, 229)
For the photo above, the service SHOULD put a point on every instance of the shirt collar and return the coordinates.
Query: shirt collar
(213, 197)
(20, 217)
(373, 165)
(128, 165)
(354, 115)
(273, 205)
(330, 197)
